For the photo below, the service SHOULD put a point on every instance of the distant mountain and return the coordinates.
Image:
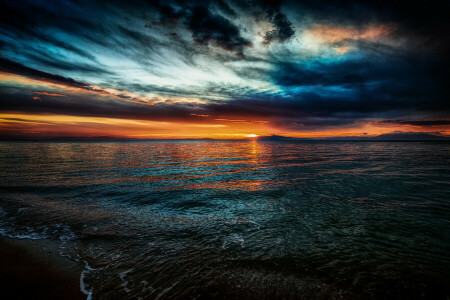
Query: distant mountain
(410, 136)
(396, 136)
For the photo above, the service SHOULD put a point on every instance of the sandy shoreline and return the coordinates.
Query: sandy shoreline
(33, 269)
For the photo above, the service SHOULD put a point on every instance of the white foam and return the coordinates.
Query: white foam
(67, 234)
(165, 291)
(83, 288)
(9, 228)
(21, 236)
(125, 282)
(146, 287)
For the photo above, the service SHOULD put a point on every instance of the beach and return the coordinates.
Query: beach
(33, 269)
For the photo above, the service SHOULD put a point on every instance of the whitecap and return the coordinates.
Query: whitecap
(84, 290)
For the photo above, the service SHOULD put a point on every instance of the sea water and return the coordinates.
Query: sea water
(249, 220)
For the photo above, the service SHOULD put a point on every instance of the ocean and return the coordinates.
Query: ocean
(247, 220)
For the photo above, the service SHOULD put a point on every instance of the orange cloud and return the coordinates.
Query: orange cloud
(341, 50)
(49, 94)
(331, 34)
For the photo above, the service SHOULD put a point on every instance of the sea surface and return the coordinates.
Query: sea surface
(229, 220)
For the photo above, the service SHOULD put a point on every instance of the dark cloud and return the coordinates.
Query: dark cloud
(225, 8)
(208, 23)
(209, 28)
(16, 68)
(419, 123)
(374, 84)
(283, 28)
(168, 15)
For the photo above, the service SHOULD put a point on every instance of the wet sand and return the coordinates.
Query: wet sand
(31, 269)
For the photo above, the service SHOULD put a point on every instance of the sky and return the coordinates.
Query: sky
(223, 69)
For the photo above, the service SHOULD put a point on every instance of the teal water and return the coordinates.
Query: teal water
(249, 220)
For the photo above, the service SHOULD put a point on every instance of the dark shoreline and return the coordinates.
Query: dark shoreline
(33, 269)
